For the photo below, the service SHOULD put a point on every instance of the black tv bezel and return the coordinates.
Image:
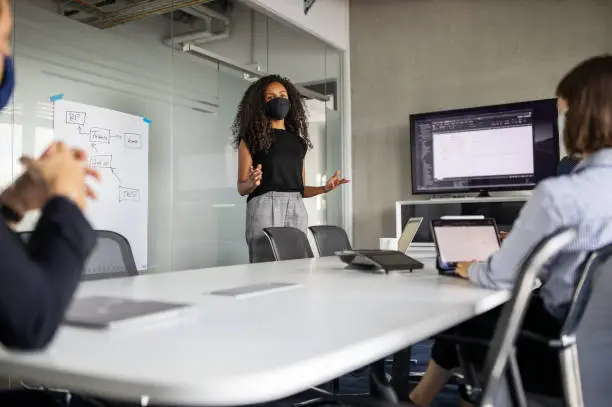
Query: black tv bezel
(487, 109)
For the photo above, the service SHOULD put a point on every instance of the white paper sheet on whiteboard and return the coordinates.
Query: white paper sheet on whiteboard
(117, 144)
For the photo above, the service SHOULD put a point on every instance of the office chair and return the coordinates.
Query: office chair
(292, 244)
(586, 335)
(288, 243)
(330, 239)
(112, 256)
(500, 365)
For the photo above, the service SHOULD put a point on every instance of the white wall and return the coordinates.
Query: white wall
(453, 54)
(327, 19)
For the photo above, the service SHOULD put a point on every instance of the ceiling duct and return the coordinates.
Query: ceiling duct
(132, 12)
(248, 72)
(202, 36)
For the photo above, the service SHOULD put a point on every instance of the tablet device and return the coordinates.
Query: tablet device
(459, 240)
(254, 289)
(410, 231)
(108, 312)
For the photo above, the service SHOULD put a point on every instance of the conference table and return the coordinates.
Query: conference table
(236, 351)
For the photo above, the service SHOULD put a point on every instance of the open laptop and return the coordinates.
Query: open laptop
(459, 240)
(410, 231)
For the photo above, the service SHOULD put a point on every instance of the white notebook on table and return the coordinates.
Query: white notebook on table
(108, 312)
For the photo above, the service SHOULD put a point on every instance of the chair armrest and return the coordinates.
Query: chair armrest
(526, 334)
(551, 342)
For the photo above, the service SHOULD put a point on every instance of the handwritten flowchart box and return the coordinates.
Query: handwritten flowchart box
(75, 118)
(128, 194)
(100, 135)
(101, 161)
(133, 140)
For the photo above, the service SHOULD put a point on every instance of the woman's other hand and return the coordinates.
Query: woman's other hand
(335, 181)
(255, 175)
(63, 172)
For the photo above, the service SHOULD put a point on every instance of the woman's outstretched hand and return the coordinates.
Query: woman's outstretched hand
(335, 181)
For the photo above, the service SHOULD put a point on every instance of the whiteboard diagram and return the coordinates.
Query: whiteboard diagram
(116, 144)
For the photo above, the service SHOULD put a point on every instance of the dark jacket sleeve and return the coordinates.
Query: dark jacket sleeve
(37, 281)
(8, 82)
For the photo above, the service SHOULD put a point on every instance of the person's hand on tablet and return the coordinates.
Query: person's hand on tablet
(463, 267)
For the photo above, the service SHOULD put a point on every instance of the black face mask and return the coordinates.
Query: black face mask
(277, 108)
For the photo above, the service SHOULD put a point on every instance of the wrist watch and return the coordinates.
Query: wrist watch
(9, 214)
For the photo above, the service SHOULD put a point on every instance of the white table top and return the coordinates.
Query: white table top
(250, 350)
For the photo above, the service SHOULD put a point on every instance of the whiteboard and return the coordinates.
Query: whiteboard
(117, 144)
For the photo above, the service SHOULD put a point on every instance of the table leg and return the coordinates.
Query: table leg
(401, 374)
(377, 369)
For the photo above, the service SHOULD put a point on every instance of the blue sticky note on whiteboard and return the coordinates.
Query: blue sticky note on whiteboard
(57, 97)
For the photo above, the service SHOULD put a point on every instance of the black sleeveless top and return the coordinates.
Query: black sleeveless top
(281, 165)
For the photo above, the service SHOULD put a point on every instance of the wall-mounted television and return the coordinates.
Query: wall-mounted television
(492, 148)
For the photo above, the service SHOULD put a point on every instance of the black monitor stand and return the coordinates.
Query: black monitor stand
(484, 194)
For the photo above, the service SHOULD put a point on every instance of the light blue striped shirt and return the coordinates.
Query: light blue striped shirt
(582, 199)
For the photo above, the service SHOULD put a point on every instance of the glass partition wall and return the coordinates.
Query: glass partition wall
(185, 69)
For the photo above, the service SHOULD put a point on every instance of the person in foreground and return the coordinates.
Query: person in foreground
(581, 199)
(271, 135)
(37, 280)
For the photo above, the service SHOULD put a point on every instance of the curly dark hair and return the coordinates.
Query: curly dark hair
(252, 125)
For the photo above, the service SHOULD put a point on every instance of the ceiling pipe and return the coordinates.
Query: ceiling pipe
(209, 12)
(201, 36)
(248, 72)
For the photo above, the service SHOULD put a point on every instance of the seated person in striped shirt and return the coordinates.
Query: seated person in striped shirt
(582, 199)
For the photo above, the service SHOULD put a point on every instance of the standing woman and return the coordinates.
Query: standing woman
(271, 134)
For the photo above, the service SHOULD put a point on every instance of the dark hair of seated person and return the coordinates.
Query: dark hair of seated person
(588, 91)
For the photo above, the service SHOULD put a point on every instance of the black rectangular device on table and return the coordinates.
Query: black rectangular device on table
(461, 240)
(386, 260)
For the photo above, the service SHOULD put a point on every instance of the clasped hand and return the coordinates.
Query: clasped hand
(60, 171)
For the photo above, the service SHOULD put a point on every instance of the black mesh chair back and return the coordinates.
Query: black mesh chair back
(112, 256)
(586, 338)
(500, 365)
(330, 239)
(288, 243)
(261, 250)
